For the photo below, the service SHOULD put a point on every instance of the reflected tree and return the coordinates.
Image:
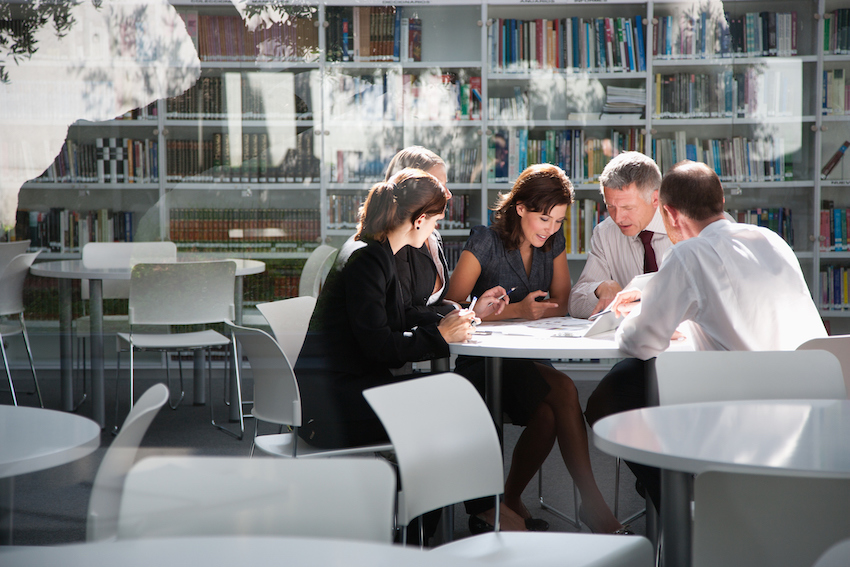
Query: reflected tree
(20, 23)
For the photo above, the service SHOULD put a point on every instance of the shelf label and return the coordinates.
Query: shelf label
(839, 182)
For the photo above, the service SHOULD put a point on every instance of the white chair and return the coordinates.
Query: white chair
(113, 255)
(708, 376)
(104, 503)
(836, 556)
(289, 320)
(224, 496)
(839, 345)
(721, 527)
(448, 451)
(277, 399)
(12, 303)
(185, 294)
(316, 269)
(741, 520)
(9, 250)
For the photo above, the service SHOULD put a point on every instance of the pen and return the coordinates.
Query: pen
(472, 305)
(506, 293)
(606, 310)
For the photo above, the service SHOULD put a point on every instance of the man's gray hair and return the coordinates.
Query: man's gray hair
(628, 168)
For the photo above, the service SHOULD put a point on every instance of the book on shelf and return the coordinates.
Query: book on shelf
(210, 229)
(582, 157)
(230, 38)
(836, 158)
(710, 34)
(605, 44)
(581, 218)
(738, 159)
(836, 32)
(777, 219)
(65, 231)
(834, 288)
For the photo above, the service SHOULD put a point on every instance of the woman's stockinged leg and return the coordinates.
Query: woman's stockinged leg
(571, 433)
(533, 446)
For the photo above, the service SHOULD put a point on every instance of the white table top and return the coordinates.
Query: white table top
(808, 438)
(76, 270)
(214, 551)
(540, 339)
(33, 439)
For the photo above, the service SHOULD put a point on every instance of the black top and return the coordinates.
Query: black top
(417, 275)
(357, 333)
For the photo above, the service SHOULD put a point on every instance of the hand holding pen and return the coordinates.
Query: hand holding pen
(493, 301)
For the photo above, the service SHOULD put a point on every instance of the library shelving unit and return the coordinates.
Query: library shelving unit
(291, 122)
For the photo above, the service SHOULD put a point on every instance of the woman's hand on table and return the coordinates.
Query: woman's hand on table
(532, 309)
(492, 302)
(456, 327)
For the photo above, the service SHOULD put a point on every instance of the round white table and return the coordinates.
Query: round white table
(33, 439)
(802, 438)
(67, 270)
(236, 550)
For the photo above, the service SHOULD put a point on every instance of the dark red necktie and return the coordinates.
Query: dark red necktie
(649, 264)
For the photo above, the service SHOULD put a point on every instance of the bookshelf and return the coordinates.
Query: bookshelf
(301, 116)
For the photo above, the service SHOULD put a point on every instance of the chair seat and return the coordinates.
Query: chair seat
(165, 341)
(280, 445)
(552, 548)
(8, 328)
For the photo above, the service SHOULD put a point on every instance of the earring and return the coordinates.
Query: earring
(417, 228)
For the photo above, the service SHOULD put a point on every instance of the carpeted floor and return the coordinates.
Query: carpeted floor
(50, 506)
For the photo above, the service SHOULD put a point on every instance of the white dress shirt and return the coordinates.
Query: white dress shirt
(738, 287)
(614, 256)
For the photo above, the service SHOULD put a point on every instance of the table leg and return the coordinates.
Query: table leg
(234, 391)
(7, 504)
(97, 363)
(66, 371)
(493, 390)
(676, 523)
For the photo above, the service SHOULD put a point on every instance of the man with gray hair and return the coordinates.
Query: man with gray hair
(631, 241)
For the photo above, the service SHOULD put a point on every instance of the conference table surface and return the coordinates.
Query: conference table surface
(799, 438)
(541, 339)
(231, 550)
(67, 270)
(34, 439)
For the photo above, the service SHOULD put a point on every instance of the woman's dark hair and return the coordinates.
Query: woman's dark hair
(539, 188)
(413, 156)
(408, 194)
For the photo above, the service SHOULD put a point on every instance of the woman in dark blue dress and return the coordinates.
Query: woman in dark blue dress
(525, 250)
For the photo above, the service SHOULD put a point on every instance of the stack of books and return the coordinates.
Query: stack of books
(624, 100)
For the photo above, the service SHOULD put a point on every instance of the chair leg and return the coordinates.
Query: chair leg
(238, 401)
(8, 371)
(572, 521)
(117, 384)
(32, 362)
(168, 379)
(636, 515)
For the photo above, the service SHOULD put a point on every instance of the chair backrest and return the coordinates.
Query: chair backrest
(836, 556)
(9, 250)
(316, 269)
(742, 520)
(289, 319)
(348, 498)
(105, 500)
(445, 441)
(717, 376)
(276, 396)
(182, 293)
(123, 255)
(839, 345)
(12, 283)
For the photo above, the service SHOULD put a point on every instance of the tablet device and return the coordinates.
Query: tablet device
(606, 320)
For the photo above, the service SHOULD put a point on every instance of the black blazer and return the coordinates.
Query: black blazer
(417, 274)
(357, 333)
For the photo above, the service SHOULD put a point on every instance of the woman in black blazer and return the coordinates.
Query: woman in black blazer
(358, 331)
